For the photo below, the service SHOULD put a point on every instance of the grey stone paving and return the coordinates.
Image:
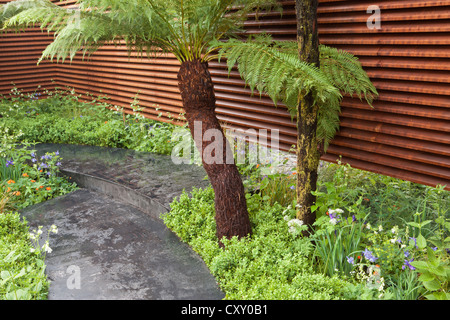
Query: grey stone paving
(111, 244)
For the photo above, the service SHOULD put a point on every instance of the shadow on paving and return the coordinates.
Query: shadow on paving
(111, 243)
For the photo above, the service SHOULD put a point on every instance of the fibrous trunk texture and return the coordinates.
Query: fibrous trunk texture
(308, 154)
(197, 93)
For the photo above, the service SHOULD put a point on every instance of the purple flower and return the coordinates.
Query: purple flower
(350, 260)
(57, 153)
(58, 164)
(369, 255)
(353, 218)
(292, 187)
(9, 163)
(408, 264)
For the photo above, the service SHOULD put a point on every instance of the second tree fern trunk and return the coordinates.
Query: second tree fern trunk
(308, 154)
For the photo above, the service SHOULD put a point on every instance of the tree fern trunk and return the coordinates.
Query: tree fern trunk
(308, 154)
(199, 103)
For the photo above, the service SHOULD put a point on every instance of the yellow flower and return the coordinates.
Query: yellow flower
(11, 181)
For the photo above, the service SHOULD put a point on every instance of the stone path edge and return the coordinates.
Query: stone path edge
(117, 191)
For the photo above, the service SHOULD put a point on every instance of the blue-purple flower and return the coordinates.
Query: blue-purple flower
(369, 255)
(9, 163)
(408, 264)
(350, 260)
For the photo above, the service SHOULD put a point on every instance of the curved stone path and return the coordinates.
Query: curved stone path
(111, 242)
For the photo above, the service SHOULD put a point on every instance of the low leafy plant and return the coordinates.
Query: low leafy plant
(274, 263)
(337, 239)
(22, 275)
(63, 118)
(434, 275)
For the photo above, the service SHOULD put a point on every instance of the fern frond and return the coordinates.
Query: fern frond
(346, 73)
(278, 74)
(182, 27)
(273, 67)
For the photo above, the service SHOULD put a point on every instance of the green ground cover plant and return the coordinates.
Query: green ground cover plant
(22, 267)
(355, 252)
(375, 237)
(64, 118)
(25, 179)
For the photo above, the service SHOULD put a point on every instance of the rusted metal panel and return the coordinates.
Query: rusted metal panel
(405, 135)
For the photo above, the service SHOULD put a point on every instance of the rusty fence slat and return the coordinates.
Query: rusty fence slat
(405, 135)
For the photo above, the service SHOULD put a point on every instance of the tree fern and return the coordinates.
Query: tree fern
(191, 29)
(273, 68)
(182, 27)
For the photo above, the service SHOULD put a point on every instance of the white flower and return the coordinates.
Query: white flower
(54, 229)
(380, 228)
(333, 211)
(32, 250)
(46, 248)
(333, 221)
(368, 226)
(294, 224)
(394, 229)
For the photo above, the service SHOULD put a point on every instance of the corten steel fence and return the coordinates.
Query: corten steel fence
(407, 56)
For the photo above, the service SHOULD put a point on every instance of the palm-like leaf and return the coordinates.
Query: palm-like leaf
(181, 27)
(191, 29)
(274, 68)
